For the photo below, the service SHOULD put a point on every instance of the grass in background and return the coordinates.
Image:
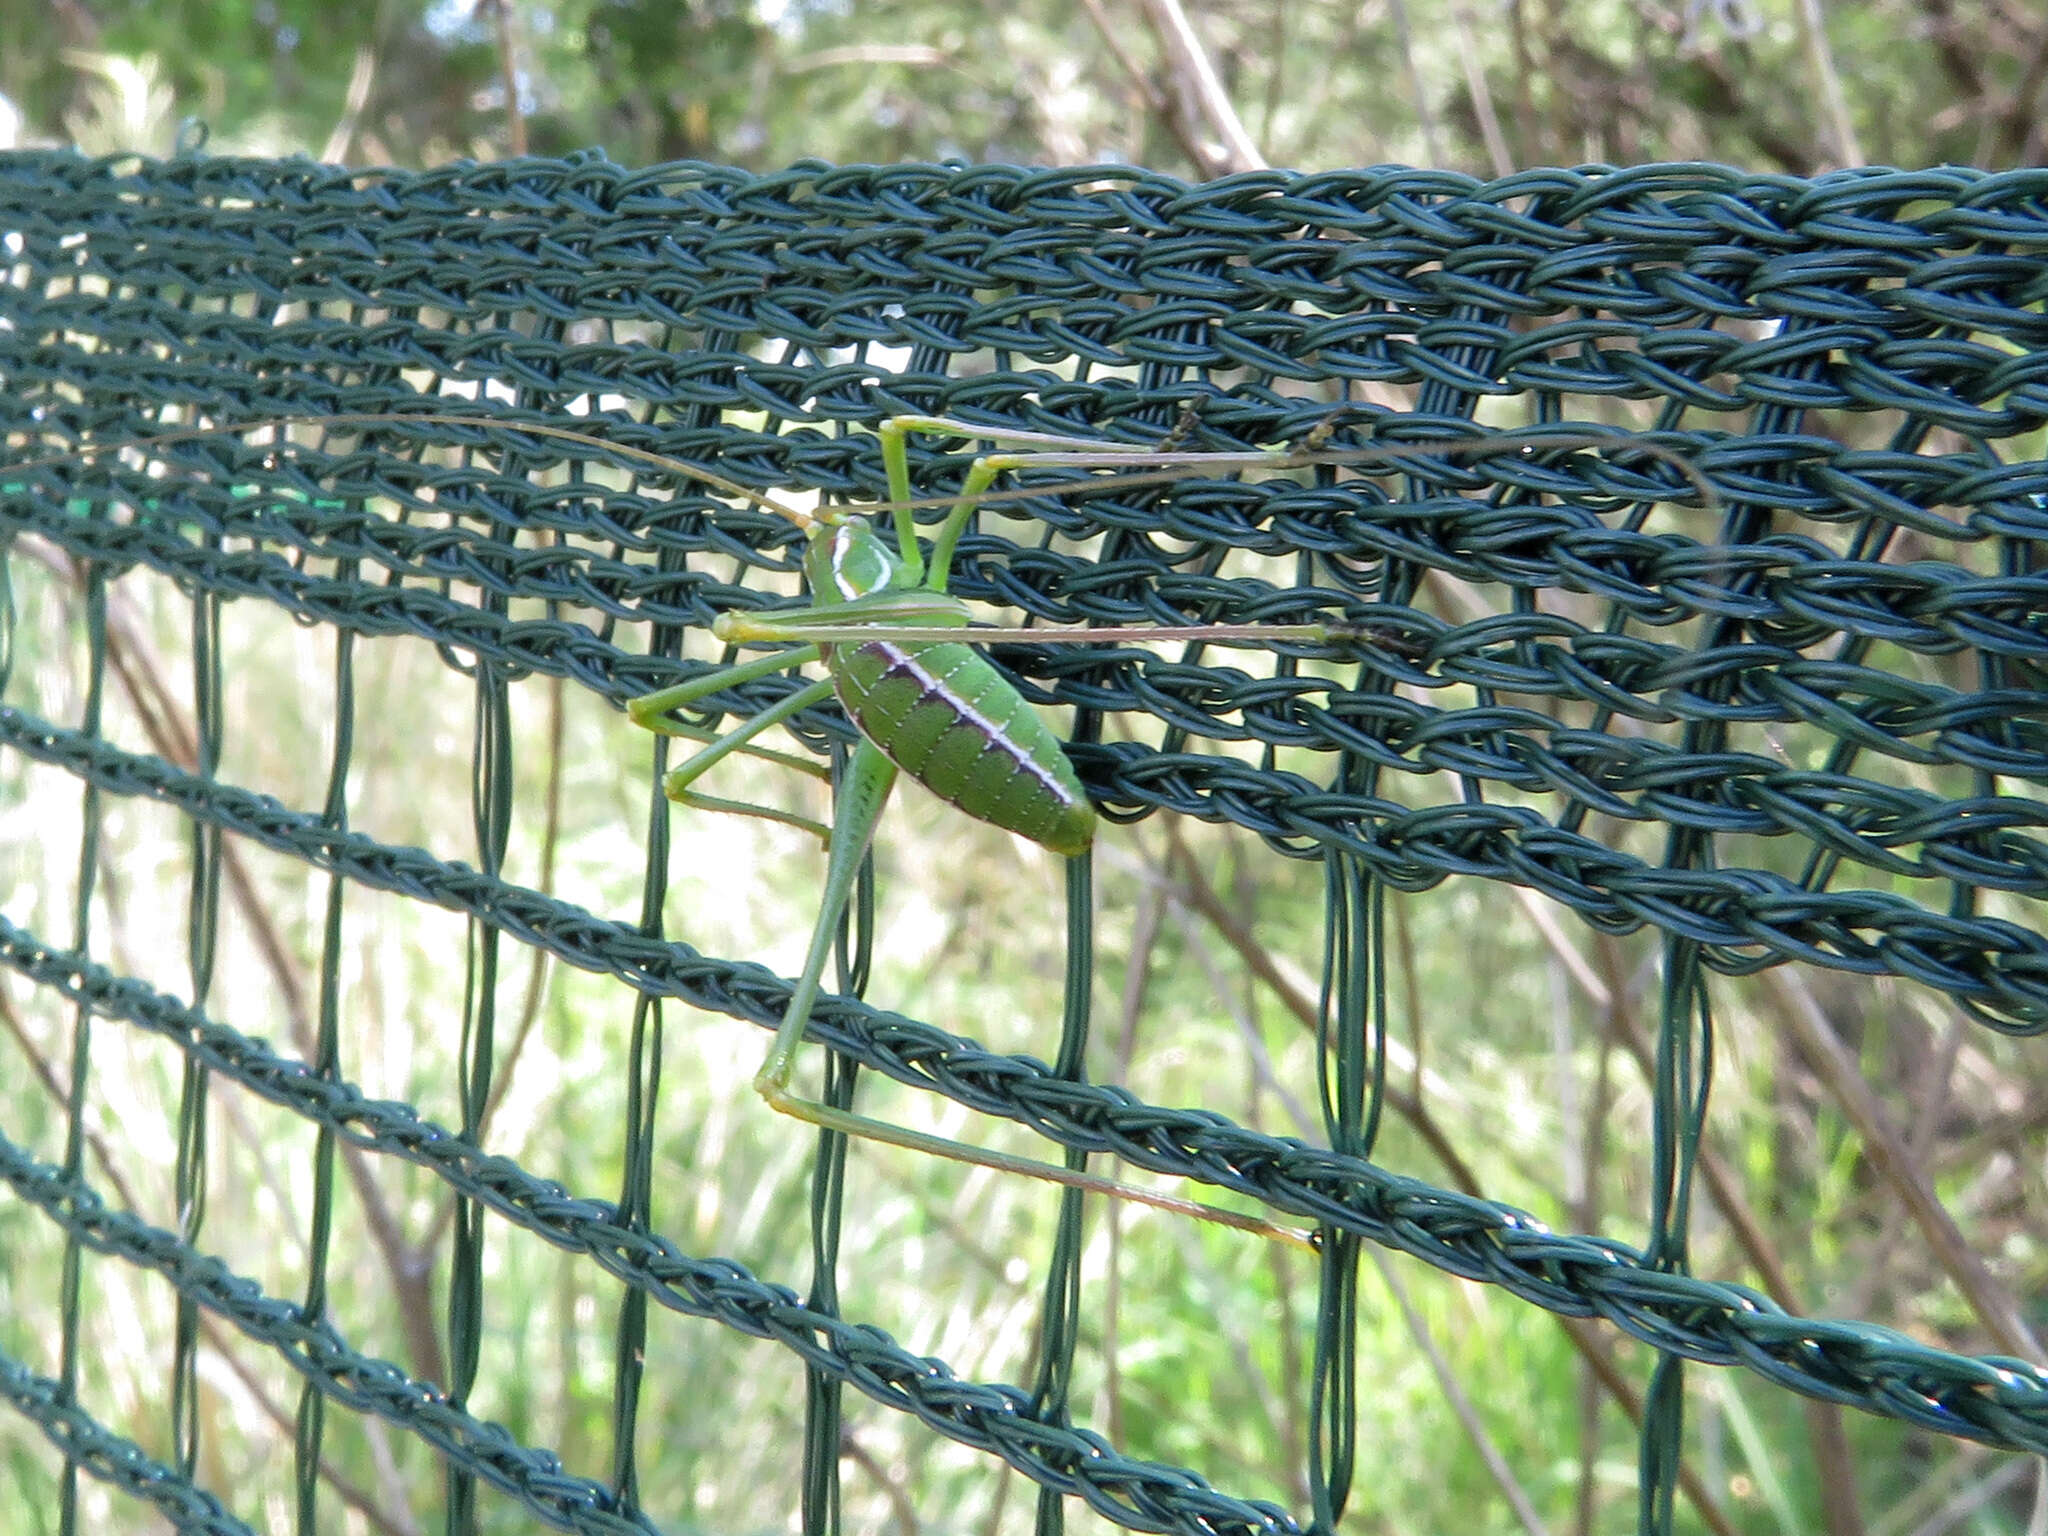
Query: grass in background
(1515, 1030)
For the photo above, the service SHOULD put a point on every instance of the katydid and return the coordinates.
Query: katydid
(934, 708)
(931, 707)
(895, 646)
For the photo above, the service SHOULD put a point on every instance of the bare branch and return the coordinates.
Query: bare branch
(1196, 91)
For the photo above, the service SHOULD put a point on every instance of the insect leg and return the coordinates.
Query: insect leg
(651, 710)
(851, 622)
(947, 426)
(862, 793)
(890, 624)
(896, 464)
(981, 474)
(676, 783)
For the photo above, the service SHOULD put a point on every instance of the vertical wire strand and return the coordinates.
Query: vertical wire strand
(8, 614)
(202, 922)
(326, 1064)
(643, 1063)
(491, 811)
(71, 1279)
(853, 957)
(1051, 1392)
(1684, 1074)
(1350, 967)
(636, 1192)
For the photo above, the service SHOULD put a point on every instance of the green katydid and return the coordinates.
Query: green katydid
(895, 645)
(934, 708)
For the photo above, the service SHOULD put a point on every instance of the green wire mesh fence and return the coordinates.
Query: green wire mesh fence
(1768, 691)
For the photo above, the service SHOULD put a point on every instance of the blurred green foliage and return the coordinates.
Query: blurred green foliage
(762, 83)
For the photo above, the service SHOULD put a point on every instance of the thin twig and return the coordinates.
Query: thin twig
(904, 1512)
(1425, 119)
(1997, 1309)
(222, 1342)
(1827, 82)
(1147, 88)
(1196, 92)
(140, 670)
(508, 70)
(1583, 1335)
(362, 76)
(913, 55)
(1419, 1332)
(1482, 94)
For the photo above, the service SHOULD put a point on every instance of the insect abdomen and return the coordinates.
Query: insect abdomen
(947, 718)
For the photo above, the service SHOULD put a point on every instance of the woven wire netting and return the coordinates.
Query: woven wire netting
(1764, 695)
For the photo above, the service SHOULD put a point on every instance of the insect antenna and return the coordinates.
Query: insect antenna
(681, 468)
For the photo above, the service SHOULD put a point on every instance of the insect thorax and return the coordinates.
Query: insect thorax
(846, 560)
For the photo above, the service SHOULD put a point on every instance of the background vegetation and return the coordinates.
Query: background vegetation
(1484, 86)
(1871, 1155)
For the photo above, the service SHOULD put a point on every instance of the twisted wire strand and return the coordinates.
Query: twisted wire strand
(1859, 610)
(2002, 1402)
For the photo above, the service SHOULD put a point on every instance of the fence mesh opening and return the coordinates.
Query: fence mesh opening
(376, 1123)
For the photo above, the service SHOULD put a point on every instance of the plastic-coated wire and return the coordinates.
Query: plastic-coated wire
(2000, 1402)
(1772, 674)
(114, 1458)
